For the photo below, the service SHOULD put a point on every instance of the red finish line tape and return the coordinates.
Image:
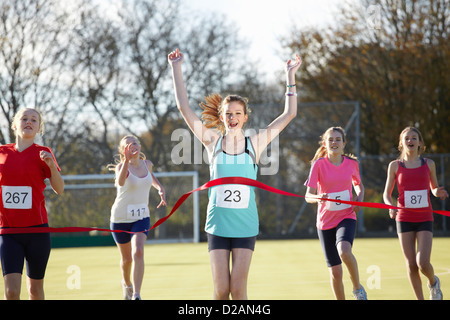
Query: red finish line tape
(209, 184)
(260, 185)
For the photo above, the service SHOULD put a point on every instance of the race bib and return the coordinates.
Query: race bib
(336, 206)
(416, 199)
(137, 211)
(233, 196)
(17, 197)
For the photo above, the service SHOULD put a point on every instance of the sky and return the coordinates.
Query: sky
(262, 22)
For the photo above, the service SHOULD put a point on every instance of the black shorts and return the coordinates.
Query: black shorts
(403, 226)
(34, 248)
(217, 242)
(329, 239)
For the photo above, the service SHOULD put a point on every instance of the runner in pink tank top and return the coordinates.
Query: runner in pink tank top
(415, 177)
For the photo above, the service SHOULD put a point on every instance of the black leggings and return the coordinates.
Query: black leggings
(33, 247)
(344, 231)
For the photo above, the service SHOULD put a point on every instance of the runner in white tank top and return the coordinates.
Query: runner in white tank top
(131, 202)
(130, 212)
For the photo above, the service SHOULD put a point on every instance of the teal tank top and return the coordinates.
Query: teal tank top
(232, 210)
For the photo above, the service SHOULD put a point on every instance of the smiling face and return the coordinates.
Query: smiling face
(334, 143)
(233, 116)
(27, 123)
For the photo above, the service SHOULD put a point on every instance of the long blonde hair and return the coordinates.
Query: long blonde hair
(422, 146)
(321, 152)
(213, 108)
(120, 158)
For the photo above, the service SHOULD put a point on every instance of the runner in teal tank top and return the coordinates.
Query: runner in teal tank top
(232, 210)
(232, 221)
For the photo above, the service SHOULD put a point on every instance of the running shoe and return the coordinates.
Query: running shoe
(127, 291)
(360, 294)
(435, 290)
(136, 296)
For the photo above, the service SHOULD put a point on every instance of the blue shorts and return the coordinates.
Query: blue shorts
(34, 248)
(125, 237)
(329, 239)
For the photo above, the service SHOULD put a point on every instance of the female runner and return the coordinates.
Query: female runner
(24, 166)
(130, 212)
(232, 218)
(332, 176)
(415, 176)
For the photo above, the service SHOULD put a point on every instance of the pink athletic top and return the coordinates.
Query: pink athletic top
(337, 182)
(414, 192)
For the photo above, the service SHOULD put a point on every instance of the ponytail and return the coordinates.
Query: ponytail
(321, 152)
(211, 112)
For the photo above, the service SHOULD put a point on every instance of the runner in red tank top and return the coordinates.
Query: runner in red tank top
(413, 186)
(415, 177)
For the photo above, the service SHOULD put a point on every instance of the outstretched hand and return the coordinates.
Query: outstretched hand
(175, 57)
(293, 66)
(441, 193)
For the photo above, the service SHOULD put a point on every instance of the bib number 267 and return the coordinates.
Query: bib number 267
(16, 197)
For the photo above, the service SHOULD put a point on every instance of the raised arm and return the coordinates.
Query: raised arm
(205, 135)
(264, 137)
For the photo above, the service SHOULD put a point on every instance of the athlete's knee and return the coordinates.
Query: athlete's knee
(221, 292)
(36, 292)
(345, 251)
(336, 272)
(12, 293)
(138, 253)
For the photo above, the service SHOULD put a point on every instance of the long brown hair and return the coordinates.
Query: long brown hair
(321, 152)
(213, 108)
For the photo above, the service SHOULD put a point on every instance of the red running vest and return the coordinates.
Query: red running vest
(22, 175)
(414, 192)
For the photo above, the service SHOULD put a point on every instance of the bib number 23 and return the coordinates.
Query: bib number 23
(234, 196)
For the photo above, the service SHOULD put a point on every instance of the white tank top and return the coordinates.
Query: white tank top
(131, 202)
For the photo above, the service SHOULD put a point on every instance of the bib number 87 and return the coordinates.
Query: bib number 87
(416, 199)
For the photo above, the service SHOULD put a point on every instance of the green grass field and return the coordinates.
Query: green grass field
(281, 270)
